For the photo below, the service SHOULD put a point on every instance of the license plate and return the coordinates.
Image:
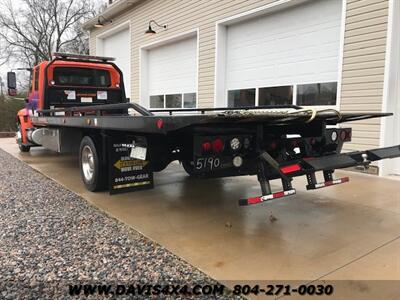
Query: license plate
(207, 163)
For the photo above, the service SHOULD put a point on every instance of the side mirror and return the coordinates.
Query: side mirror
(12, 84)
(11, 81)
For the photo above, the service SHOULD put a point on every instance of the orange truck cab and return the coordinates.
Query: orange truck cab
(66, 82)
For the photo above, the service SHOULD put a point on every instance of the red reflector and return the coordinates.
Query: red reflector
(349, 135)
(278, 194)
(206, 147)
(254, 200)
(327, 183)
(160, 123)
(343, 135)
(290, 168)
(218, 145)
(273, 145)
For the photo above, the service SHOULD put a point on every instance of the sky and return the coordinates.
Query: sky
(6, 67)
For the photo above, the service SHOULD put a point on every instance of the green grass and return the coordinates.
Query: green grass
(8, 110)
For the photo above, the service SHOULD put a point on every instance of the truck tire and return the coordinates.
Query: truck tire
(90, 163)
(188, 167)
(22, 148)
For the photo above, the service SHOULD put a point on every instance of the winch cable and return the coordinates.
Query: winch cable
(315, 112)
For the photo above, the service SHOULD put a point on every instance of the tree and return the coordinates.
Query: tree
(35, 29)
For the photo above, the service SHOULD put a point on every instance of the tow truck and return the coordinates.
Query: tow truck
(77, 103)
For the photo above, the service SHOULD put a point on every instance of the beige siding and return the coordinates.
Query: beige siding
(181, 16)
(364, 66)
(363, 57)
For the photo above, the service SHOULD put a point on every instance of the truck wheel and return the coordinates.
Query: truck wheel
(90, 165)
(188, 167)
(22, 148)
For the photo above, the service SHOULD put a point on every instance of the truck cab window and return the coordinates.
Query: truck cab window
(82, 77)
(36, 78)
(30, 82)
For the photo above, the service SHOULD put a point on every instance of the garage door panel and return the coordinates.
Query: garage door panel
(258, 53)
(172, 68)
(118, 45)
(279, 75)
(326, 54)
(283, 40)
(295, 45)
(289, 23)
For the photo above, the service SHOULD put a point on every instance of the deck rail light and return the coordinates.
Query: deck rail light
(150, 30)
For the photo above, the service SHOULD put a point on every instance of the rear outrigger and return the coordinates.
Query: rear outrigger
(77, 104)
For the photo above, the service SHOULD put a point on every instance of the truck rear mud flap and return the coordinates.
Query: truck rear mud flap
(309, 167)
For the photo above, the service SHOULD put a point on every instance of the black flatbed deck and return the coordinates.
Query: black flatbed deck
(101, 117)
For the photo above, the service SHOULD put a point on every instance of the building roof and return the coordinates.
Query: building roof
(111, 11)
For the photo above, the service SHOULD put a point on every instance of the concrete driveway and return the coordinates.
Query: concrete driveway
(347, 232)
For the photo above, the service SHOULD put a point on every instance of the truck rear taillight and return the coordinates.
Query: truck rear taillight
(218, 145)
(345, 135)
(273, 145)
(160, 123)
(246, 143)
(228, 145)
(206, 147)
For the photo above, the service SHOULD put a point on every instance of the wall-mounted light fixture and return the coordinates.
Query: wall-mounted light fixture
(150, 30)
(101, 23)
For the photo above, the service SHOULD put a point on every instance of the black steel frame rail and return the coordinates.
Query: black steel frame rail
(99, 108)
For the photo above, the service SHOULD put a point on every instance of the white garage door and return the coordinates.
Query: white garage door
(273, 58)
(172, 74)
(118, 45)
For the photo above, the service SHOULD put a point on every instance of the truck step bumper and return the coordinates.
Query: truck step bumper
(320, 185)
(309, 167)
(260, 199)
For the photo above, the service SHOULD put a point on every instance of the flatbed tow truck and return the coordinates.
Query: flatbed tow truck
(77, 104)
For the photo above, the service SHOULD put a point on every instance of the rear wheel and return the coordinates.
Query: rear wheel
(188, 167)
(90, 164)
